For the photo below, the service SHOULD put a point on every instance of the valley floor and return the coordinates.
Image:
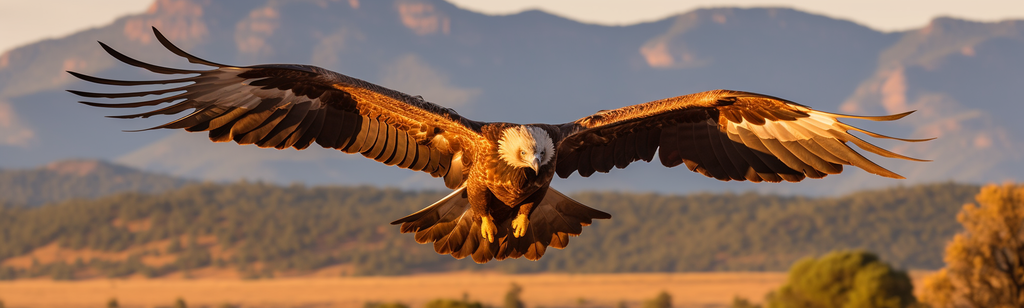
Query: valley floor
(539, 290)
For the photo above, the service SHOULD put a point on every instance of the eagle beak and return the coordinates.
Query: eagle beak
(535, 164)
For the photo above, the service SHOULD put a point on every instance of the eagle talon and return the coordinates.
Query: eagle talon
(520, 224)
(487, 228)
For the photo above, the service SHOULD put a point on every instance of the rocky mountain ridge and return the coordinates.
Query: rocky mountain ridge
(536, 67)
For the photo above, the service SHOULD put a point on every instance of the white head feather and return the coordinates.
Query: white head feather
(520, 146)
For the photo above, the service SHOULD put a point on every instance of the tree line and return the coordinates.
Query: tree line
(270, 229)
(88, 179)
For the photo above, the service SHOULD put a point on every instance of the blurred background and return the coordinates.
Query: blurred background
(84, 200)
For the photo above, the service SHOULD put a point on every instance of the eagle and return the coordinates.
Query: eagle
(502, 205)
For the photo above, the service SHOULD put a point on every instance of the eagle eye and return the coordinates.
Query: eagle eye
(523, 152)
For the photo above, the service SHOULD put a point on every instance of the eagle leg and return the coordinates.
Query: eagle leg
(519, 225)
(522, 220)
(487, 228)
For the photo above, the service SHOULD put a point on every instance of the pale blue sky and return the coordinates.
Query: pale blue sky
(26, 21)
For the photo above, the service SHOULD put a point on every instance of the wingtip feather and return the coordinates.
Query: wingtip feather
(892, 117)
(178, 51)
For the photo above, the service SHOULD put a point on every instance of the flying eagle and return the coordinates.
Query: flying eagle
(502, 206)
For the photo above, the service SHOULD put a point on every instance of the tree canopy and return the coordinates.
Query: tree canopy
(261, 230)
(848, 279)
(985, 262)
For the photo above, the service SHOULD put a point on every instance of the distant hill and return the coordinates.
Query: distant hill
(70, 179)
(262, 230)
(536, 67)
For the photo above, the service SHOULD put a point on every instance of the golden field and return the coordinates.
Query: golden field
(548, 290)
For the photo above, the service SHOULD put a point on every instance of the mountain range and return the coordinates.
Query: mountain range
(535, 67)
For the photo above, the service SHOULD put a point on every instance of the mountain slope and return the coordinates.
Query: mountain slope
(528, 67)
(84, 179)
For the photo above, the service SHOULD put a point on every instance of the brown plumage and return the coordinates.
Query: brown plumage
(502, 206)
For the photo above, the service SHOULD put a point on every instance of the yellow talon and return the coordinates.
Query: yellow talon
(520, 224)
(488, 229)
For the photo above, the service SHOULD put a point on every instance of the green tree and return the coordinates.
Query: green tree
(742, 302)
(663, 300)
(844, 279)
(453, 303)
(384, 305)
(985, 262)
(512, 298)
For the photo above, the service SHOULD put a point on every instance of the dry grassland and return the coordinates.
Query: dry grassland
(548, 290)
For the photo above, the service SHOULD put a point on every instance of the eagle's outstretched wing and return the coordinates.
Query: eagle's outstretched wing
(727, 135)
(283, 106)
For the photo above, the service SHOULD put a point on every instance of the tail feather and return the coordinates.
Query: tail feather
(449, 224)
(552, 222)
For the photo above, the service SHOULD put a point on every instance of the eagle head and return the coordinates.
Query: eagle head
(526, 147)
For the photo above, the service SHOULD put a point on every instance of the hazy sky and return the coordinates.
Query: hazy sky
(26, 21)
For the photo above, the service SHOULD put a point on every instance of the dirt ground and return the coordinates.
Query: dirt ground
(539, 290)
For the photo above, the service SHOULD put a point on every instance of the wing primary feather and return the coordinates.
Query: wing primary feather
(288, 124)
(227, 118)
(779, 150)
(223, 133)
(362, 135)
(330, 128)
(150, 67)
(761, 151)
(816, 148)
(755, 162)
(189, 120)
(307, 119)
(624, 150)
(114, 82)
(349, 126)
(649, 146)
(140, 104)
(254, 136)
(586, 168)
(246, 124)
(602, 158)
(306, 138)
(856, 159)
(674, 151)
(731, 161)
(708, 155)
(877, 135)
(128, 94)
(867, 146)
(174, 49)
(809, 158)
(206, 125)
(870, 118)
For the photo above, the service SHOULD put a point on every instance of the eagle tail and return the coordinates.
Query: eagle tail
(553, 221)
(449, 224)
